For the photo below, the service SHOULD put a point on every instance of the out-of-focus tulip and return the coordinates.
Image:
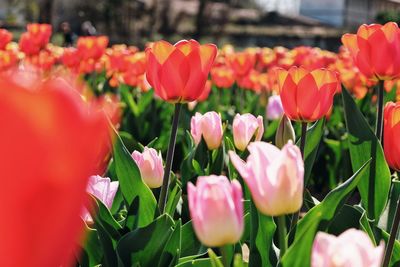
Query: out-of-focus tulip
(5, 38)
(391, 131)
(352, 248)
(284, 133)
(241, 62)
(150, 164)
(223, 77)
(103, 189)
(92, 47)
(307, 96)
(274, 177)
(209, 126)
(376, 50)
(244, 128)
(274, 107)
(179, 72)
(216, 209)
(7, 59)
(51, 143)
(35, 39)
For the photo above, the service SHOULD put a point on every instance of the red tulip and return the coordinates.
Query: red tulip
(223, 76)
(307, 96)
(35, 39)
(242, 62)
(50, 143)
(179, 72)
(376, 50)
(391, 131)
(5, 38)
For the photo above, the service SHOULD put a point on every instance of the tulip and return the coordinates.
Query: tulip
(223, 77)
(216, 209)
(92, 47)
(179, 72)
(307, 96)
(352, 248)
(391, 133)
(274, 107)
(150, 164)
(36, 38)
(103, 189)
(209, 127)
(206, 92)
(274, 177)
(241, 62)
(245, 127)
(51, 143)
(284, 133)
(375, 50)
(5, 38)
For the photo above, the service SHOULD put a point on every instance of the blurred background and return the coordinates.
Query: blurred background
(242, 23)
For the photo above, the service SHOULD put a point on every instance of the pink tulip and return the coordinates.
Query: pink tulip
(209, 126)
(150, 164)
(274, 177)
(274, 107)
(352, 248)
(103, 189)
(216, 209)
(244, 128)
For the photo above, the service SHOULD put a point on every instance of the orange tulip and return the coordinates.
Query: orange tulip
(50, 143)
(307, 96)
(178, 73)
(222, 77)
(92, 47)
(391, 133)
(242, 62)
(5, 38)
(376, 50)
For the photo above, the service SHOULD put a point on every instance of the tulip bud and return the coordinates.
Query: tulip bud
(103, 189)
(274, 107)
(216, 209)
(391, 131)
(351, 248)
(274, 177)
(150, 164)
(284, 133)
(244, 128)
(209, 126)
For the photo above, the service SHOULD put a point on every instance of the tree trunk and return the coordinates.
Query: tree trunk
(200, 19)
(45, 11)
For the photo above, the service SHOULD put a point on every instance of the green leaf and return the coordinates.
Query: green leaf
(394, 197)
(314, 135)
(91, 252)
(318, 218)
(218, 158)
(104, 217)
(172, 249)
(144, 246)
(192, 245)
(261, 236)
(196, 263)
(132, 185)
(215, 260)
(363, 145)
(173, 200)
(230, 147)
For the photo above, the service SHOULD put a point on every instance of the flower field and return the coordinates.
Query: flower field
(191, 155)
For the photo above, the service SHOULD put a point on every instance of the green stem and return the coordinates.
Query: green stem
(296, 216)
(282, 235)
(379, 118)
(225, 255)
(392, 237)
(170, 156)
